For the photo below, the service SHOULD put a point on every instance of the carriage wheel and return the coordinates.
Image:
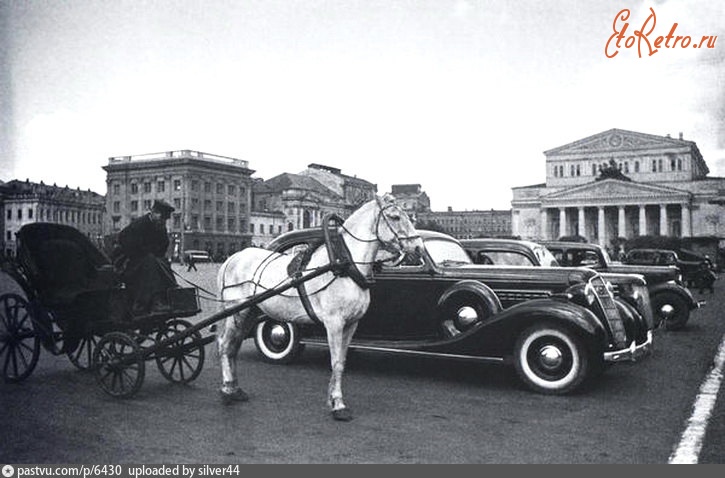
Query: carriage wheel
(19, 344)
(183, 360)
(82, 357)
(118, 364)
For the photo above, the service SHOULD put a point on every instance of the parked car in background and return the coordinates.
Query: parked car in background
(690, 264)
(197, 256)
(559, 327)
(671, 300)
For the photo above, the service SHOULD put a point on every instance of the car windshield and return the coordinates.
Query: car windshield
(446, 253)
(605, 257)
(546, 258)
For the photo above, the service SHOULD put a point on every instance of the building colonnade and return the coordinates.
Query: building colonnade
(602, 223)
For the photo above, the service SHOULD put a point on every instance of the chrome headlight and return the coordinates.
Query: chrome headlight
(589, 293)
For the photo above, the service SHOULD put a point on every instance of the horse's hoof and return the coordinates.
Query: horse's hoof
(237, 395)
(342, 414)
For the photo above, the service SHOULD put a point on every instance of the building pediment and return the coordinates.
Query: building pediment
(617, 140)
(613, 191)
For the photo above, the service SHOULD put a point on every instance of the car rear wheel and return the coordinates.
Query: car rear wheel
(550, 359)
(672, 309)
(278, 342)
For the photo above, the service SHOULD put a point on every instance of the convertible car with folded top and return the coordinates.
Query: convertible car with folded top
(559, 327)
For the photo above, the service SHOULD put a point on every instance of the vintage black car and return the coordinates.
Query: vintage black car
(671, 301)
(558, 326)
(690, 264)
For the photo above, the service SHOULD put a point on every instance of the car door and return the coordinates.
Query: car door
(403, 303)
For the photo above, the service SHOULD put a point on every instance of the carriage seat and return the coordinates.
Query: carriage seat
(64, 271)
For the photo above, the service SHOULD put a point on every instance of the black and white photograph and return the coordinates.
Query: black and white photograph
(360, 232)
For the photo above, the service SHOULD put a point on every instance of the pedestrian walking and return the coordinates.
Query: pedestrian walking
(190, 263)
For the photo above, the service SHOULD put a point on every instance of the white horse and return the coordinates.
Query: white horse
(336, 300)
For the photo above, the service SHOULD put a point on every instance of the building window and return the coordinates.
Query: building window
(177, 184)
(116, 189)
(561, 171)
(161, 186)
(571, 170)
(219, 188)
(30, 214)
(134, 188)
(9, 235)
(242, 225)
(578, 170)
(679, 164)
(219, 206)
(636, 166)
(147, 187)
(177, 203)
(654, 165)
(220, 223)
(146, 204)
(207, 222)
(673, 164)
(556, 171)
(177, 221)
(207, 205)
(231, 224)
(231, 190)
(251, 228)
(207, 187)
(231, 209)
(261, 228)
(20, 214)
(242, 191)
(659, 163)
(194, 204)
(279, 229)
(594, 169)
(134, 206)
(116, 207)
(10, 213)
(290, 226)
(626, 166)
(194, 185)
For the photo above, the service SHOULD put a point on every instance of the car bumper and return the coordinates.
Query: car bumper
(631, 354)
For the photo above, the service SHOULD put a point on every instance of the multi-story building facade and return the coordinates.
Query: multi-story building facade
(212, 196)
(412, 198)
(24, 202)
(468, 224)
(662, 189)
(265, 226)
(305, 198)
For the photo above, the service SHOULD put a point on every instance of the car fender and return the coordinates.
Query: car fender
(668, 287)
(482, 291)
(501, 331)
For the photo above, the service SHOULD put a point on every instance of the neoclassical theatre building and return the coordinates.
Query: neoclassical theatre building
(660, 187)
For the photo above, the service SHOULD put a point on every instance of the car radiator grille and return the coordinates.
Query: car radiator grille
(611, 313)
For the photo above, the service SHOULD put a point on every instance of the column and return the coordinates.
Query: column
(622, 223)
(663, 219)
(582, 230)
(642, 220)
(686, 220)
(562, 222)
(602, 227)
(544, 225)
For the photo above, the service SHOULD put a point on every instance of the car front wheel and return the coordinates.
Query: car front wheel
(551, 359)
(279, 342)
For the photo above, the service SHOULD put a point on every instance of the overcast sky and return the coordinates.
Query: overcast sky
(460, 96)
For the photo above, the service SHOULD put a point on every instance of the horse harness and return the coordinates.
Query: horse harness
(339, 256)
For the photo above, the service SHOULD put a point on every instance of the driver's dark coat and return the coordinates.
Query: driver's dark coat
(143, 236)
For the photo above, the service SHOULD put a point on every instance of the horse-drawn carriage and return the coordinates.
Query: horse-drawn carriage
(76, 304)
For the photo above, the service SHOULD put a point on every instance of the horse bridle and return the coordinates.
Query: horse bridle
(395, 246)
